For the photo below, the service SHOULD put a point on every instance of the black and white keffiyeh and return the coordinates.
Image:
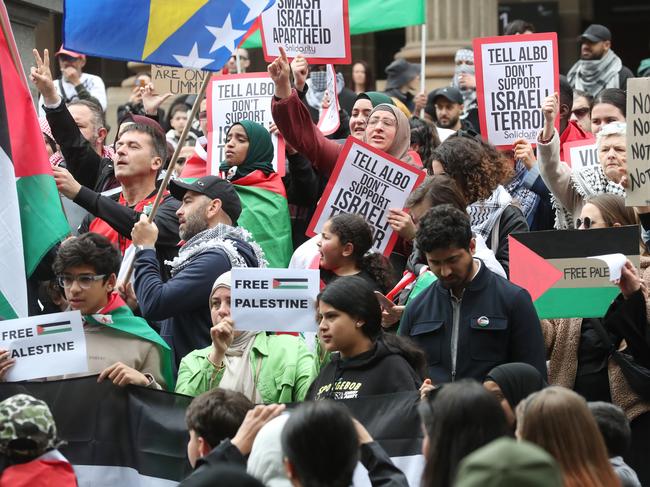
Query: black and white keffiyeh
(485, 213)
(594, 75)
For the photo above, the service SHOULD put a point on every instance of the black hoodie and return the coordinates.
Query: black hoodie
(381, 370)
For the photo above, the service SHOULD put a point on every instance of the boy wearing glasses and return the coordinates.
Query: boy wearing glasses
(121, 347)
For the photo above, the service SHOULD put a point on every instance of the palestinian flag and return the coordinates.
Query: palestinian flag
(117, 315)
(32, 219)
(265, 214)
(556, 269)
(290, 283)
(134, 436)
(370, 16)
(52, 328)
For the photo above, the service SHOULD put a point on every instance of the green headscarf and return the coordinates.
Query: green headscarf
(376, 98)
(260, 151)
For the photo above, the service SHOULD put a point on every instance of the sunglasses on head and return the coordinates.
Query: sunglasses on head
(586, 222)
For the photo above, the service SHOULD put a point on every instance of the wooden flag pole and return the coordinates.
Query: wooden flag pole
(423, 57)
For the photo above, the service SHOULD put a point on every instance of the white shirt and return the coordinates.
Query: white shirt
(94, 85)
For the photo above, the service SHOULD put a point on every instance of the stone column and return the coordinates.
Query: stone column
(451, 24)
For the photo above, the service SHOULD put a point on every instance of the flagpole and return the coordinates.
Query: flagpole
(172, 163)
(423, 56)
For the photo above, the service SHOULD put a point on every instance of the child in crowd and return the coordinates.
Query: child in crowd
(178, 120)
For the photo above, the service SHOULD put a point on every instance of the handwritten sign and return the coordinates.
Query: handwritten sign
(240, 97)
(317, 29)
(513, 76)
(638, 142)
(274, 299)
(177, 81)
(367, 182)
(45, 345)
(581, 153)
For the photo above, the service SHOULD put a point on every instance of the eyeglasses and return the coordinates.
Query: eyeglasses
(65, 57)
(580, 112)
(586, 222)
(388, 122)
(84, 280)
(241, 58)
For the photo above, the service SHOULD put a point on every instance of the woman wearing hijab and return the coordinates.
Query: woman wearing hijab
(295, 124)
(248, 165)
(512, 383)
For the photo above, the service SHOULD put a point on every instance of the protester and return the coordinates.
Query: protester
(511, 383)
(369, 362)
(245, 361)
(559, 421)
(479, 169)
(247, 164)
(402, 81)
(615, 428)
(178, 120)
(29, 446)
(581, 109)
(135, 104)
(465, 80)
(598, 67)
(571, 187)
(266, 461)
(362, 79)
(212, 245)
(496, 323)
(609, 106)
(518, 26)
(74, 84)
(457, 419)
(424, 139)
(244, 62)
(448, 105)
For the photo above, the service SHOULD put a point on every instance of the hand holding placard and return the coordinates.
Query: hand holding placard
(550, 109)
(300, 69)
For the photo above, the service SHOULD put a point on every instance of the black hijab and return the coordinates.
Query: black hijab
(517, 381)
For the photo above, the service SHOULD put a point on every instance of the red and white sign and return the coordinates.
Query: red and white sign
(581, 153)
(330, 120)
(367, 182)
(513, 76)
(317, 29)
(236, 97)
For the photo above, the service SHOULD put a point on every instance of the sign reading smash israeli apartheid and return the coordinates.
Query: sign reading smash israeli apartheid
(177, 81)
(274, 299)
(567, 272)
(581, 153)
(239, 97)
(317, 29)
(637, 192)
(513, 76)
(367, 182)
(44, 346)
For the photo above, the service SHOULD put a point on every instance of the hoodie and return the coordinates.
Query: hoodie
(381, 370)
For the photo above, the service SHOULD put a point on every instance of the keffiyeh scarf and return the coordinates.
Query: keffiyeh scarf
(526, 198)
(469, 94)
(484, 214)
(594, 75)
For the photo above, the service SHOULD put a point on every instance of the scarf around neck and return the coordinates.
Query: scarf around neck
(594, 75)
(485, 213)
(317, 84)
(218, 237)
(260, 152)
(238, 374)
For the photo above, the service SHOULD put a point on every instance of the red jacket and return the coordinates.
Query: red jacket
(39, 473)
(571, 133)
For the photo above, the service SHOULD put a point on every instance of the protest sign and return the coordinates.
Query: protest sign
(367, 182)
(330, 121)
(513, 76)
(45, 345)
(274, 299)
(177, 81)
(317, 29)
(581, 153)
(567, 272)
(637, 192)
(240, 97)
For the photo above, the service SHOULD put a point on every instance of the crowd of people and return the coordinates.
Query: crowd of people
(505, 398)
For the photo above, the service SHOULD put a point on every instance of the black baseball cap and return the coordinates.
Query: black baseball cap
(214, 188)
(450, 93)
(596, 33)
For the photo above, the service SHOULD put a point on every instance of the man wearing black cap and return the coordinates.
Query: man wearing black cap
(212, 245)
(448, 106)
(599, 67)
(402, 79)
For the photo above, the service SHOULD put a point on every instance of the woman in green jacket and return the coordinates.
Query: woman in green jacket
(265, 368)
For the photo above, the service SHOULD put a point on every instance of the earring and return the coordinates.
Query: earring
(359, 324)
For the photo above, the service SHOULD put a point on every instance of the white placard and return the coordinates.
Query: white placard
(513, 76)
(367, 182)
(274, 299)
(238, 97)
(583, 153)
(317, 29)
(45, 345)
(637, 192)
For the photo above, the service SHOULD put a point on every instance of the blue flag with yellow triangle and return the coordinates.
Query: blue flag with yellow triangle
(199, 34)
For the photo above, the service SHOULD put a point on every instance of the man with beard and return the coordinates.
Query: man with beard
(212, 245)
(470, 319)
(448, 105)
(598, 67)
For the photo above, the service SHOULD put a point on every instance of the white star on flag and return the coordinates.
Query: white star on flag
(255, 8)
(225, 36)
(192, 60)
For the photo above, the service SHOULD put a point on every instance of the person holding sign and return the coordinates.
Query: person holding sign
(265, 213)
(121, 347)
(369, 361)
(296, 126)
(244, 361)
